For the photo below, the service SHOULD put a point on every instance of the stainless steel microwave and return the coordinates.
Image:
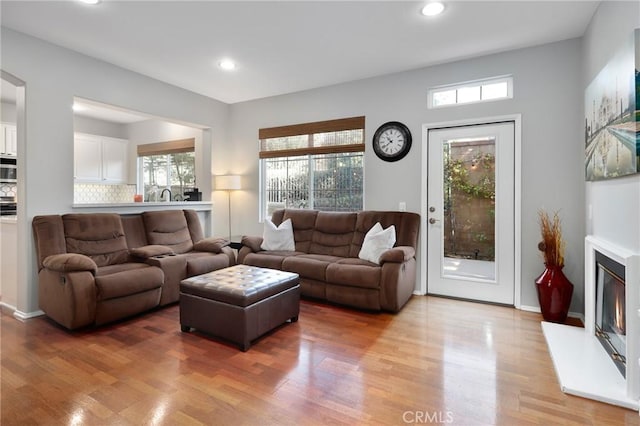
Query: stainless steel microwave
(8, 169)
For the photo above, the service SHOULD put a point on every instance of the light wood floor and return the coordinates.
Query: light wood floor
(439, 361)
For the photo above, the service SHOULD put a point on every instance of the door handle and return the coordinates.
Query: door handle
(433, 220)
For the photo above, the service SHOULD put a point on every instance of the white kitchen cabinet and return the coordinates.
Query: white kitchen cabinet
(87, 158)
(114, 160)
(99, 159)
(9, 143)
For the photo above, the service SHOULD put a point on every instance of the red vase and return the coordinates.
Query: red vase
(554, 294)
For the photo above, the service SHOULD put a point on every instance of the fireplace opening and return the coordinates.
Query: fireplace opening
(610, 309)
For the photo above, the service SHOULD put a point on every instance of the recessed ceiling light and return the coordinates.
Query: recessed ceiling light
(90, 1)
(78, 107)
(227, 64)
(433, 8)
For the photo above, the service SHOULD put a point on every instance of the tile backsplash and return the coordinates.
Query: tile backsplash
(8, 189)
(89, 193)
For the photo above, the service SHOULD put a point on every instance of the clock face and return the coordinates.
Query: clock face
(392, 141)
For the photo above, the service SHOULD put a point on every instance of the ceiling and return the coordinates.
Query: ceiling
(288, 46)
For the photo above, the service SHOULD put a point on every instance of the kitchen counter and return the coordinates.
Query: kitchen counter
(131, 208)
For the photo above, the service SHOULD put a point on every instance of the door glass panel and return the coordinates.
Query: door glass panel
(469, 194)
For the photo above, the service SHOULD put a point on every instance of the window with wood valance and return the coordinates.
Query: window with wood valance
(320, 137)
(316, 165)
(169, 147)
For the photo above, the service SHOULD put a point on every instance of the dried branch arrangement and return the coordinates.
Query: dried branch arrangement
(552, 245)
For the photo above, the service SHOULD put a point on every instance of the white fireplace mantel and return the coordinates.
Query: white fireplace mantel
(582, 365)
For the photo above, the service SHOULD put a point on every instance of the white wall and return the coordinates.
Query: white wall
(547, 93)
(94, 126)
(7, 112)
(53, 76)
(614, 204)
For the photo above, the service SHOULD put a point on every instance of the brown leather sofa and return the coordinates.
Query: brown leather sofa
(100, 267)
(326, 257)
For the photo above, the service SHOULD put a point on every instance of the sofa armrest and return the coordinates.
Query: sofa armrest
(69, 298)
(398, 254)
(212, 245)
(252, 242)
(151, 250)
(70, 262)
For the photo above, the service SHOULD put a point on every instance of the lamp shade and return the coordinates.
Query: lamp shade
(227, 182)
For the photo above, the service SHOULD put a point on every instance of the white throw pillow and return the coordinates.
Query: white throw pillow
(376, 242)
(278, 237)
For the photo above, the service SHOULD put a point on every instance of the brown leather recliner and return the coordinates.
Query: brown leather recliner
(100, 267)
(327, 245)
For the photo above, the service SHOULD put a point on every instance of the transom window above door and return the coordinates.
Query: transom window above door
(490, 89)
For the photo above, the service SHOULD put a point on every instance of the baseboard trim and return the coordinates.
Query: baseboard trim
(536, 309)
(23, 316)
(526, 308)
(7, 308)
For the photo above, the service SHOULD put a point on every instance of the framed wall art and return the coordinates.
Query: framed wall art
(612, 116)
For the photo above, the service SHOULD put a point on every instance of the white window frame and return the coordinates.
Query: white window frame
(262, 214)
(475, 83)
(309, 129)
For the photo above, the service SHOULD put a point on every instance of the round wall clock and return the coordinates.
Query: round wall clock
(392, 141)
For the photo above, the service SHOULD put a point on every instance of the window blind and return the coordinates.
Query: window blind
(320, 137)
(169, 147)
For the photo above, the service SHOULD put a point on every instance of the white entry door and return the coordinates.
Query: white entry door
(470, 222)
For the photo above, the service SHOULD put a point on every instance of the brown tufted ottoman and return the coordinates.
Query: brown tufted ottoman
(239, 303)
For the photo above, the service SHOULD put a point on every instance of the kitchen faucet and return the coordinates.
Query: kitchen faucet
(162, 193)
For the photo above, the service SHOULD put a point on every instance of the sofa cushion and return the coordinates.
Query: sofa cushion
(333, 233)
(279, 238)
(98, 235)
(48, 232)
(407, 226)
(269, 259)
(253, 242)
(145, 252)
(128, 281)
(354, 273)
(212, 245)
(193, 222)
(312, 266)
(203, 262)
(376, 242)
(303, 221)
(69, 262)
(134, 232)
(121, 267)
(168, 228)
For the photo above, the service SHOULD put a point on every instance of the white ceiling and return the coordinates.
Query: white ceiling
(288, 46)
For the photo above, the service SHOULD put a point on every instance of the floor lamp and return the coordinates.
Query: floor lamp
(228, 183)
